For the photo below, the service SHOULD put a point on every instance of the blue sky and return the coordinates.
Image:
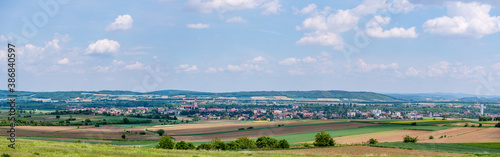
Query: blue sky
(393, 46)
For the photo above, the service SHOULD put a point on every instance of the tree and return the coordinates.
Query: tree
(324, 139)
(166, 142)
(87, 120)
(246, 143)
(160, 132)
(266, 142)
(373, 141)
(204, 146)
(58, 116)
(408, 139)
(444, 117)
(497, 125)
(283, 144)
(191, 145)
(126, 121)
(218, 144)
(124, 136)
(232, 145)
(181, 145)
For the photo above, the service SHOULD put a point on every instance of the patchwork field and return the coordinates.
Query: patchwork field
(362, 151)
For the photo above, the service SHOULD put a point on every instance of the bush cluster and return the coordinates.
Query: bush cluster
(166, 142)
(408, 139)
(324, 139)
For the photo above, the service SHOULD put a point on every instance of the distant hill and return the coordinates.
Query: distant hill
(445, 97)
(369, 96)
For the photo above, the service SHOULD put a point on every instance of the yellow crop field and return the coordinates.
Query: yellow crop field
(417, 121)
(261, 121)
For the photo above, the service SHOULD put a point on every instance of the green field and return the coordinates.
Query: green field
(469, 148)
(297, 138)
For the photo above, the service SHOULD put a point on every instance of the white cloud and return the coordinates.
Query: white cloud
(198, 26)
(374, 29)
(186, 68)
(117, 62)
(325, 39)
(211, 70)
(243, 67)
(311, 8)
(103, 46)
(192, 68)
(258, 59)
(272, 7)
(289, 61)
(400, 6)
(222, 6)
(101, 68)
(135, 66)
(236, 19)
(123, 22)
(64, 61)
(413, 72)
(466, 19)
(454, 70)
(309, 60)
(364, 67)
(326, 27)
(5, 39)
(439, 68)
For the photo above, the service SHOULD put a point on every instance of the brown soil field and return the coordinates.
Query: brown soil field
(362, 151)
(397, 135)
(454, 135)
(470, 124)
(269, 132)
(478, 135)
(105, 132)
(215, 126)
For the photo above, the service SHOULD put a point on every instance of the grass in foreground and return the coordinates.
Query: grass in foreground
(469, 148)
(45, 148)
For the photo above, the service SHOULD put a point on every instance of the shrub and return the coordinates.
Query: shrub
(160, 132)
(78, 141)
(431, 137)
(96, 125)
(306, 145)
(284, 144)
(466, 125)
(241, 128)
(408, 139)
(218, 144)
(414, 123)
(204, 146)
(124, 136)
(142, 133)
(266, 142)
(497, 125)
(324, 139)
(246, 143)
(480, 124)
(233, 145)
(166, 142)
(473, 125)
(373, 141)
(5, 155)
(191, 145)
(181, 145)
(250, 127)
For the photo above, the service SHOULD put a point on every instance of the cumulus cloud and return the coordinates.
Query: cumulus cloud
(454, 70)
(374, 29)
(236, 19)
(243, 67)
(186, 68)
(465, 19)
(103, 46)
(413, 72)
(101, 69)
(4, 38)
(271, 7)
(135, 66)
(211, 70)
(326, 27)
(122, 22)
(289, 61)
(258, 59)
(198, 26)
(209, 6)
(365, 67)
(309, 60)
(64, 61)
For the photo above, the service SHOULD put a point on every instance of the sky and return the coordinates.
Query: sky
(387, 46)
